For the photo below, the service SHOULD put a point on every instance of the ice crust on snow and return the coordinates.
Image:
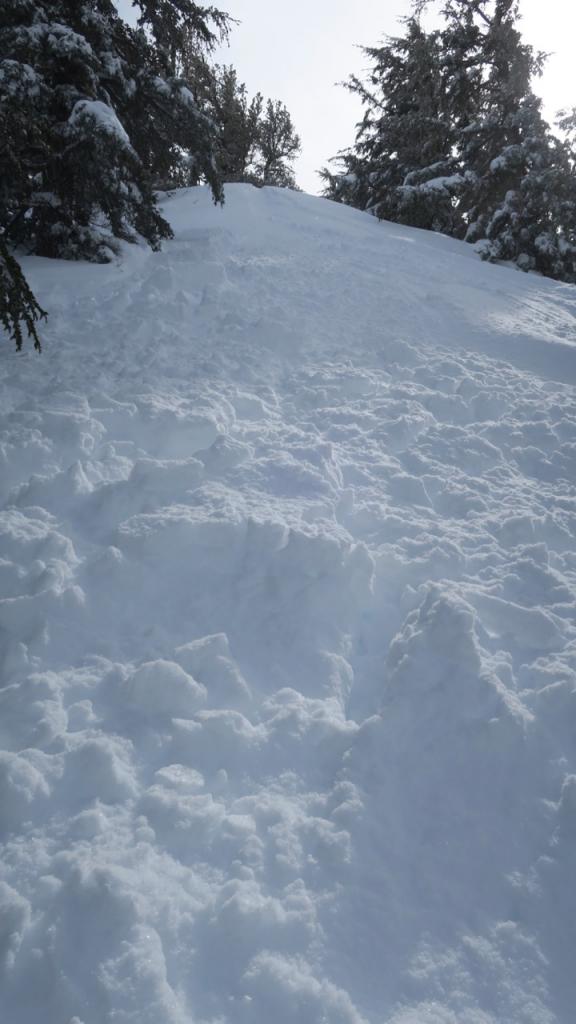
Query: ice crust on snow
(288, 631)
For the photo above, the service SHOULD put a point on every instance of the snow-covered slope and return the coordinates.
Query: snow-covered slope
(288, 633)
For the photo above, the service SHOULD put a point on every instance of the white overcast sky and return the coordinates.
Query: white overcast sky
(298, 51)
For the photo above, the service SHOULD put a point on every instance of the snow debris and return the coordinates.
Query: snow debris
(288, 628)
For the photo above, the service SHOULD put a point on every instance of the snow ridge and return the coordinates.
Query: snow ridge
(288, 632)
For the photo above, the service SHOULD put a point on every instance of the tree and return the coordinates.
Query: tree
(525, 203)
(236, 117)
(18, 307)
(255, 140)
(23, 135)
(498, 111)
(518, 177)
(179, 27)
(175, 129)
(453, 139)
(278, 144)
(97, 122)
(93, 118)
(402, 167)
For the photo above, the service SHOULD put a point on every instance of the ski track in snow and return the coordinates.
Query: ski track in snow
(288, 633)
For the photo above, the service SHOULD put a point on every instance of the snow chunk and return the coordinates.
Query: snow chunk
(304, 997)
(209, 661)
(164, 688)
(100, 767)
(23, 782)
(15, 913)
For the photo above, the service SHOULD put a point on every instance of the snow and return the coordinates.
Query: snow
(102, 115)
(60, 39)
(441, 183)
(510, 156)
(288, 631)
(19, 79)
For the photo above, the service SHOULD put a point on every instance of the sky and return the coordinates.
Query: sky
(299, 51)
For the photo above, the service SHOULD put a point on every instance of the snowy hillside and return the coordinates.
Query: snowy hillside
(288, 631)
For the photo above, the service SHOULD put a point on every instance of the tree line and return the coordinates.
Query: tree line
(96, 116)
(453, 139)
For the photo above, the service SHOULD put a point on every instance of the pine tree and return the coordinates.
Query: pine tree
(453, 139)
(174, 128)
(402, 167)
(96, 123)
(87, 183)
(93, 118)
(237, 118)
(179, 27)
(499, 109)
(517, 178)
(278, 144)
(18, 307)
(256, 140)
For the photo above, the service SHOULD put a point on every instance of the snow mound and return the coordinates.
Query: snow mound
(288, 631)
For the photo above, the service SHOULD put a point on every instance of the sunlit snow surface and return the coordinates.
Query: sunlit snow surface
(288, 631)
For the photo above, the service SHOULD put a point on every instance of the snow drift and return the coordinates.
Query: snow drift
(288, 632)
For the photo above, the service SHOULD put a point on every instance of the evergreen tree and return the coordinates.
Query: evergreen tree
(525, 203)
(93, 117)
(278, 144)
(18, 307)
(498, 112)
(96, 122)
(453, 139)
(567, 125)
(255, 140)
(179, 27)
(237, 119)
(176, 130)
(518, 180)
(402, 167)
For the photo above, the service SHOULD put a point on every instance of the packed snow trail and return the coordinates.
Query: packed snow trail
(288, 631)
